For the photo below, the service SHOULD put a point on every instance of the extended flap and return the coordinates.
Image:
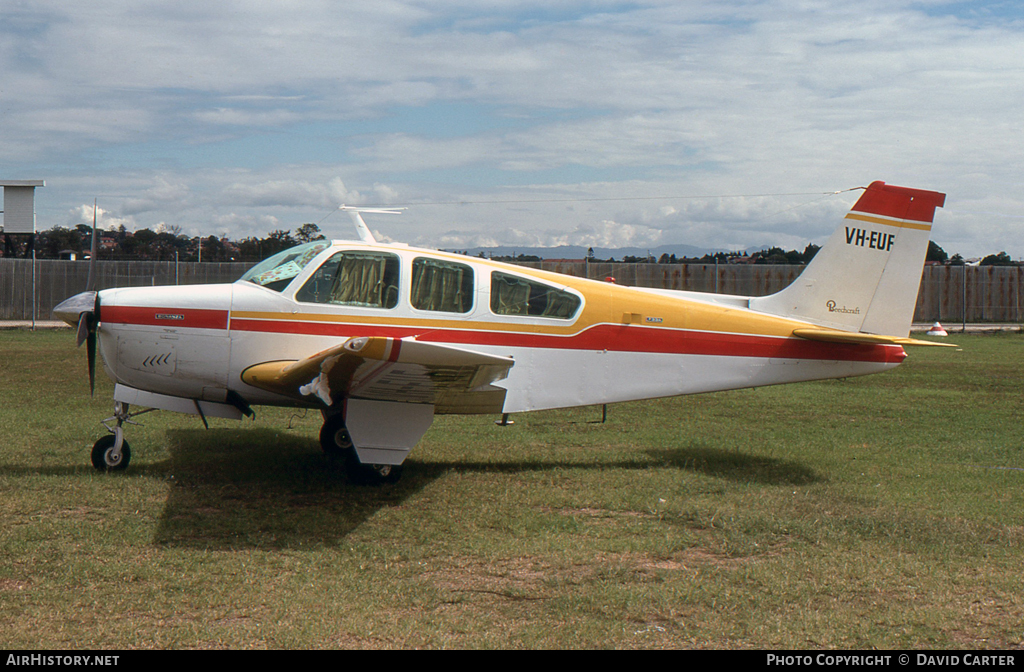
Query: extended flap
(384, 368)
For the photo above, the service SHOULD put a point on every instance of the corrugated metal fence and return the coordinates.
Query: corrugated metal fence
(989, 293)
(56, 280)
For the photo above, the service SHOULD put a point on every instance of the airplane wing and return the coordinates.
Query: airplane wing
(837, 336)
(390, 369)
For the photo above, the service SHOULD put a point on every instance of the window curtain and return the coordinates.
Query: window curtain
(359, 281)
(441, 287)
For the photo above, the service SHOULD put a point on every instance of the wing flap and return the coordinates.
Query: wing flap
(390, 369)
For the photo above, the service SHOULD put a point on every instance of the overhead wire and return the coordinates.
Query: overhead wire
(606, 199)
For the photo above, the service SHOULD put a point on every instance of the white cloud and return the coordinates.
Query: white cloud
(263, 114)
(291, 193)
(83, 214)
(238, 117)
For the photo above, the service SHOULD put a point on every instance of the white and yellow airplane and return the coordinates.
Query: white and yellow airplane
(381, 337)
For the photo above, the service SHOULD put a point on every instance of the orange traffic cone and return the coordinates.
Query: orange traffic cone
(937, 330)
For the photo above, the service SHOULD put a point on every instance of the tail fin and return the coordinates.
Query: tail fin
(866, 277)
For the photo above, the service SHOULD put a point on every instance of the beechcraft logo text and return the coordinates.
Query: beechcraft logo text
(833, 308)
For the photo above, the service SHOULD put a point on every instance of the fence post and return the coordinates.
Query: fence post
(963, 302)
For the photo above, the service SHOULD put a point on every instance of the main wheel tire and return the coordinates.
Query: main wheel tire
(337, 445)
(371, 474)
(334, 438)
(101, 454)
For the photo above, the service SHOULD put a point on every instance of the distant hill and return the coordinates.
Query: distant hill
(580, 252)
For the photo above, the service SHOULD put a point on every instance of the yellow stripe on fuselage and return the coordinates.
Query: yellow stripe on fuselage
(604, 303)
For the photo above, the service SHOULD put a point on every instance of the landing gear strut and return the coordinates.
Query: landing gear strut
(112, 452)
(337, 445)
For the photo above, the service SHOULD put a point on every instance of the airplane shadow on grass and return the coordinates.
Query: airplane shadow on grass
(264, 488)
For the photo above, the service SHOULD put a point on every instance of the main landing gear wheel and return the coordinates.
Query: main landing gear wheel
(371, 474)
(337, 445)
(105, 458)
(334, 438)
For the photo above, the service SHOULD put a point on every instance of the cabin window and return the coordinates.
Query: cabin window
(513, 295)
(278, 271)
(444, 286)
(367, 279)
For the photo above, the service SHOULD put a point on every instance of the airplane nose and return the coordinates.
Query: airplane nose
(70, 309)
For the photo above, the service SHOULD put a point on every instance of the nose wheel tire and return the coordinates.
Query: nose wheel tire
(104, 457)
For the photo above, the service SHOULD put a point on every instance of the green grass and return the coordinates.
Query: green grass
(872, 512)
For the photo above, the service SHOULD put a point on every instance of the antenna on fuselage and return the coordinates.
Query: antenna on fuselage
(361, 227)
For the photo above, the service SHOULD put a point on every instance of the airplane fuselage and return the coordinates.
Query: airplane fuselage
(591, 343)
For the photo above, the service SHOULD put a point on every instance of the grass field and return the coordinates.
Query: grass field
(872, 512)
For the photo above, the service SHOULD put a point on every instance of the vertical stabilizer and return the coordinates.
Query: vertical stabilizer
(866, 277)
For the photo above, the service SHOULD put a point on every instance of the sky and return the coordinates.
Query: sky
(724, 124)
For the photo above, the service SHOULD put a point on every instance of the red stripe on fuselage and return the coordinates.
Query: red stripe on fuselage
(615, 338)
(611, 337)
(197, 318)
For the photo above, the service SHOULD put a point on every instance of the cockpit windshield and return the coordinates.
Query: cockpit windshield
(277, 271)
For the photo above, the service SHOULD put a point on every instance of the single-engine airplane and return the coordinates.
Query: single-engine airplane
(381, 337)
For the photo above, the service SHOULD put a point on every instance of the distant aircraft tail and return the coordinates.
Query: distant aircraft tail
(866, 277)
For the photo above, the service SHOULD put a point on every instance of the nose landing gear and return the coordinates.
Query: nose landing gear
(112, 452)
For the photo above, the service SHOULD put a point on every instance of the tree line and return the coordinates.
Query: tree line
(145, 244)
(170, 244)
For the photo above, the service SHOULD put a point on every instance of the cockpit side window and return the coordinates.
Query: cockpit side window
(354, 278)
(513, 295)
(444, 286)
(278, 271)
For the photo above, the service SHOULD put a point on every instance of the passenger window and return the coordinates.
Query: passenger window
(443, 286)
(368, 279)
(512, 295)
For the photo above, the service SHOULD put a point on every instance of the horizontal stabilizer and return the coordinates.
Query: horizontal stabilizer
(836, 336)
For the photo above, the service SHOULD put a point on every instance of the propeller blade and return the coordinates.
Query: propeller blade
(90, 284)
(83, 329)
(88, 321)
(90, 349)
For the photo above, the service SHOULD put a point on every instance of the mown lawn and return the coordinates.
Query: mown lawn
(873, 512)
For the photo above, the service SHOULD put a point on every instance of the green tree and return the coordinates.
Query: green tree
(1000, 259)
(277, 241)
(308, 233)
(49, 244)
(936, 253)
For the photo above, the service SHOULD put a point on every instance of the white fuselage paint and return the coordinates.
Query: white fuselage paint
(167, 357)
